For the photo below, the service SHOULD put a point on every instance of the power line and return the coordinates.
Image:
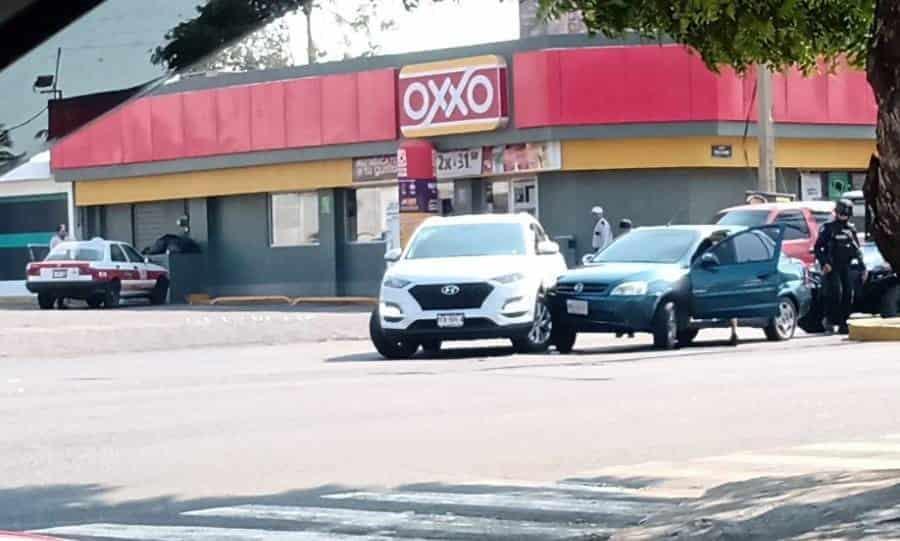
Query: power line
(29, 121)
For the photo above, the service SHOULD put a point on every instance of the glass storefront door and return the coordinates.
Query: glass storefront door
(512, 195)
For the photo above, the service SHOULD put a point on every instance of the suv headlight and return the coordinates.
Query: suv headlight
(396, 283)
(509, 278)
(630, 288)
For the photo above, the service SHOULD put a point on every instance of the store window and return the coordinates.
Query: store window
(295, 219)
(367, 213)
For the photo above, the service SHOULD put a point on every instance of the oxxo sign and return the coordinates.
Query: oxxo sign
(457, 96)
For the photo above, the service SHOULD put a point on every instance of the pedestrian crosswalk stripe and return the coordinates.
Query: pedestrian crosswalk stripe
(539, 501)
(404, 521)
(142, 532)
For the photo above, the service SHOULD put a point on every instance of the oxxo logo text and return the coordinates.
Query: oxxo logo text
(457, 96)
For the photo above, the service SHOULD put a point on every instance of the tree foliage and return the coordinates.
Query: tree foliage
(738, 33)
(267, 48)
(219, 23)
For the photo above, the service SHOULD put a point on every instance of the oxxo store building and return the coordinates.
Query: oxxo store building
(288, 178)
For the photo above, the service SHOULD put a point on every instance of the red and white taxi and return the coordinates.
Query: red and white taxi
(97, 271)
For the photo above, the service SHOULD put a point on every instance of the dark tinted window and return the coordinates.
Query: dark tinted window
(750, 247)
(746, 218)
(468, 240)
(116, 254)
(132, 254)
(795, 226)
(822, 218)
(650, 246)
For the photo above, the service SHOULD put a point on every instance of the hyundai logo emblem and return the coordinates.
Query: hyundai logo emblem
(450, 290)
(579, 288)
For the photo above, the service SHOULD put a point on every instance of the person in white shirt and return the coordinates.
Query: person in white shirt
(60, 236)
(603, 236)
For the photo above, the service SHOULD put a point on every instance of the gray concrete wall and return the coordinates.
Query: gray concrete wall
(242, 262)
(647, 197)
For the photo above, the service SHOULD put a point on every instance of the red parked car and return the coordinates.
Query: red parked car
(802, 220)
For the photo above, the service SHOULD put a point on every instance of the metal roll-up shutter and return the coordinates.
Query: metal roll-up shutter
(153, 220)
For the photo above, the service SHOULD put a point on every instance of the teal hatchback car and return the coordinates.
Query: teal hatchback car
(674, 281)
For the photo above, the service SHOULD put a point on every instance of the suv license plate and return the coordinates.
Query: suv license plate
(61, 273)
(577, 308)
(450, 321)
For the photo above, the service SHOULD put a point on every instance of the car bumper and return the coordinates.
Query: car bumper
(71, 290)
(607, 314)
(507, 312)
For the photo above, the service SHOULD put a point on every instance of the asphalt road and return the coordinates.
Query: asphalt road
(311, 437)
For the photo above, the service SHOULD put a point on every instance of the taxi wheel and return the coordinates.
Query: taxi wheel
(46, 301)
(389, 349)
(95, 302)
(112, 296)
(665, 326)
(159, 293)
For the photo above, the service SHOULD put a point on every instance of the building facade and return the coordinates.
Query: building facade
(286, 176)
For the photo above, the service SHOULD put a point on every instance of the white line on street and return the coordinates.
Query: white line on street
(141, 532)
(401, 520)
(813, 463)
(542, 501)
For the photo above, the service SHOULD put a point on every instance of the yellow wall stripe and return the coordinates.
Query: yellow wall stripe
(651, 153)
(243, 180)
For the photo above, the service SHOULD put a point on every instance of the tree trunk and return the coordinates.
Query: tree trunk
(882, 189)
(311, 53)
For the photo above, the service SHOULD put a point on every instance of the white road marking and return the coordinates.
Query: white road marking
(870, 447)
(537, 501)
(813, 463)
(142, 532)
(408, 520)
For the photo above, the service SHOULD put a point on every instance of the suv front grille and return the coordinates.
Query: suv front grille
(470, 296)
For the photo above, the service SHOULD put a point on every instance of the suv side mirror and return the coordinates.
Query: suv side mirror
(393, 255)
(709, 261)
(547, 247)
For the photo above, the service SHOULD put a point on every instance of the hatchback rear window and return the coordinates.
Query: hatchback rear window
(746, 218)
(74, 253)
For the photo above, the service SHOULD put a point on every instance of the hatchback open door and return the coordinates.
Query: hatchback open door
(738, 277)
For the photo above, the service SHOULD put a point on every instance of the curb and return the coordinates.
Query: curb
(16, 301)
(232, 301)
(875, 330)
(335, 301)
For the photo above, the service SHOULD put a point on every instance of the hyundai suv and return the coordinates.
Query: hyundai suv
(468, 278)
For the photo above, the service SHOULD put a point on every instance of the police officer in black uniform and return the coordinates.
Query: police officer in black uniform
(836, 249)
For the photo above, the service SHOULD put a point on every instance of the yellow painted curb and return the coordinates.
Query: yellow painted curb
(875, 330)
(262, 299)
(335, 300)
(198, 299)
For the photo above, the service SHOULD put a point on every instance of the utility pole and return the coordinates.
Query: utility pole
(766, 130)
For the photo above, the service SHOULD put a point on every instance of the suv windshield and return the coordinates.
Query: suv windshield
(73, 252)
(468, 240)
(746, 218)
(649, 246)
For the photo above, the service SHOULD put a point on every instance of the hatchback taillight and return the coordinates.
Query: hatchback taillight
(32, 270)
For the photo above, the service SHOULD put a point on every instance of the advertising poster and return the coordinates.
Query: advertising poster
(419, 196)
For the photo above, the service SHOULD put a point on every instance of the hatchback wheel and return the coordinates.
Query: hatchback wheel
(665, 327)
(538, 338)
(784, 324)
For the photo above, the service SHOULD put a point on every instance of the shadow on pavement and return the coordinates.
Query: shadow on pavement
(834, 505)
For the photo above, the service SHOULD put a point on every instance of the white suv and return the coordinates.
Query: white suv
(468, 278)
